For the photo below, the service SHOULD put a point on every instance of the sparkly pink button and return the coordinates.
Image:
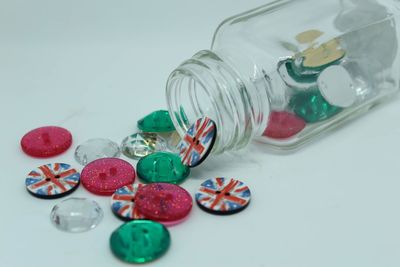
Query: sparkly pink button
(46, 141)
(163, 202)
(283, 125)
(104, 176)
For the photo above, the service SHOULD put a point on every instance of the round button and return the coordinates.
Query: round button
(336, 86)
(52, 181)
(140, 241)
(223, 196)
(163, 202)
(76, 215)
(198, 142)
(283, 125)
(96, 148)
(104, 176)
(46, 141)
(162, 167)
(123, 202)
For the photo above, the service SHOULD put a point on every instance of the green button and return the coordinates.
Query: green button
(162, 167)
(312, 106)
(156, 122)
(140, 241)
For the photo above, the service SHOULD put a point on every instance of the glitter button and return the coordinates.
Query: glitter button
(198, 142)
(52, 181)
(104, 176)
(163, 202)
(46, 141)
(123, 202)
(140, 241)
(162, 167)
(283, 125)
(223, 196)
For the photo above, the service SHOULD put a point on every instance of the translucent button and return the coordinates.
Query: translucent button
(139, 145)
(156, 122)
(96, 148)
(140, 241)
(76, 215)
(162, 167)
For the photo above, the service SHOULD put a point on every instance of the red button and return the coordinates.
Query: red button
(104, 176)
(46, 141)
(163, 202)
(283, 125)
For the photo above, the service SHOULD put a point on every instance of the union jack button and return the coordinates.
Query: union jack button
(52, 181)
(198, 142)
(223, 196)
(123, 202)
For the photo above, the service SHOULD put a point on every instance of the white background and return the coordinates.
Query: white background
(96, 67)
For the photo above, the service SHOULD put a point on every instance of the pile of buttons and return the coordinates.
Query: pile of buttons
(147, 208)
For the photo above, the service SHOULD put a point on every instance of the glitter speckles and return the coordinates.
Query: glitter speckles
(104, 176)
(46, 141)
(163, 202)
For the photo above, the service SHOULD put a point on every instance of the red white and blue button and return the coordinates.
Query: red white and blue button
(123, 202)
(52, 180)
(198, 142)
(223, 196)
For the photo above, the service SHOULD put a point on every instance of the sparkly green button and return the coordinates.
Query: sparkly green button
(162, 167)
(312, 106)
(156, 122)
(140, 241)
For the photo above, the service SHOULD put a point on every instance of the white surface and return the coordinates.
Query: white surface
(95, 67)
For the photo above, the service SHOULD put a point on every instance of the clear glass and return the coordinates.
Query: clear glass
(321, 62)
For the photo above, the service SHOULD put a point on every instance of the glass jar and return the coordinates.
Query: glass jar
(288, 71)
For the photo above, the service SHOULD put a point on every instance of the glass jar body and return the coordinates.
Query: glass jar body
(288, 71)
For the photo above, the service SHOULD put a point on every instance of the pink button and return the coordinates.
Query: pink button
(104, 176)
(283, 125)
(46, 141)
(163, 202)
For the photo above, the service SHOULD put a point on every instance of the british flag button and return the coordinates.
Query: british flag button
(123, 202)
(223, 196)
(52, 181)
(198, 142)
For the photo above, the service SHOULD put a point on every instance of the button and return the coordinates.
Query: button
(123, 202)
(312, 106)
(336, 86)
(282, 124)
(46, 141)
(324, 55)
(104, 176)
(52, 181)
(223, 196)
(76, 215)
(96, 148)
(198, 141)
(163, 202)
(140, 241)
(156, 122)
(162, 167)
(139, 145)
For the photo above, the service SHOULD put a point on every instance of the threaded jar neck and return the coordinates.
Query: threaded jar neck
(206, 85)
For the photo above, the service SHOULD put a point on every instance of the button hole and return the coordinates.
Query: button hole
(227, 194)
(57, 176)
(48, 179)
(218, 192)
